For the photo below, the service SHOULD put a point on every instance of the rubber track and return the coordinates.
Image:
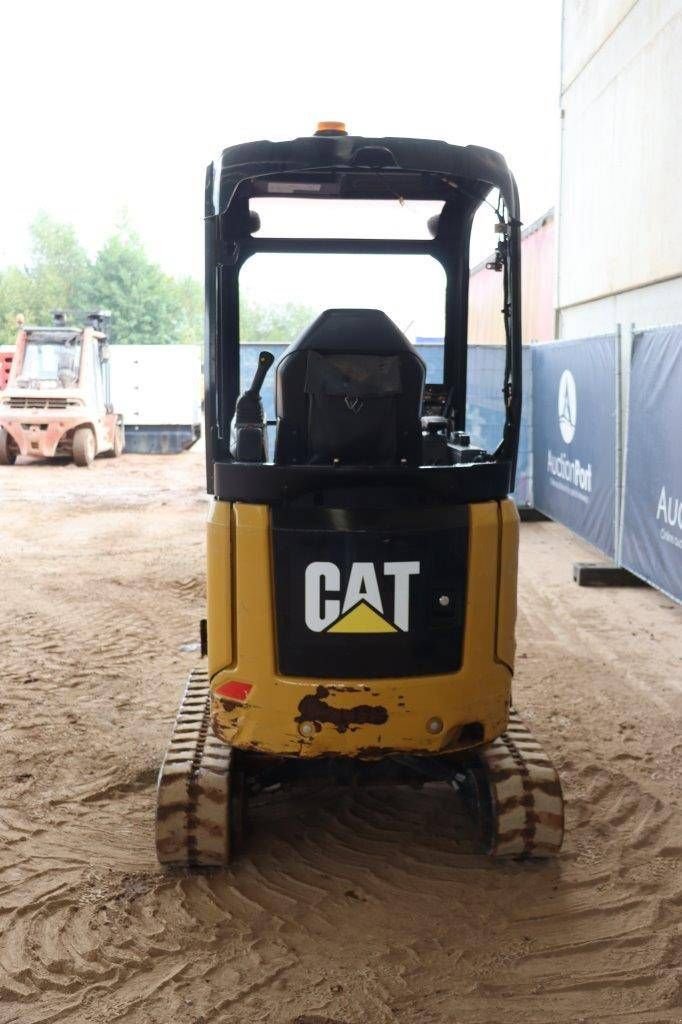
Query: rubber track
(193, 792)
(527, 807)
(525, 812)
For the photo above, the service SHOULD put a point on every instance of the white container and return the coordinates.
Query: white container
(158, 390)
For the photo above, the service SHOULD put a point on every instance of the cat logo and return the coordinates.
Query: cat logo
(360, 609)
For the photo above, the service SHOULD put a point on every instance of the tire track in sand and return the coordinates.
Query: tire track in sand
(353, 906)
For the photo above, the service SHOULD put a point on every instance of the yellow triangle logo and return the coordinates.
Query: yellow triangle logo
(362, 619)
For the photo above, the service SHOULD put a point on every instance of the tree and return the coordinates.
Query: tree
(273, 323)
(59, 267)
(56, 278)
(16, 296)
(190, 298)
(147, 306)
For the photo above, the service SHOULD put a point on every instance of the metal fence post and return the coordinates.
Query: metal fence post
(623, 363)
(618, 383)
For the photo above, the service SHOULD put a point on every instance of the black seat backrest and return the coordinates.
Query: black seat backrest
(349, 390)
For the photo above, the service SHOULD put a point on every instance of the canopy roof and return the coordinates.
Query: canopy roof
(352, 166)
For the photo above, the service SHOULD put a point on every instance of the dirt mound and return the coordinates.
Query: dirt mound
(347, 906)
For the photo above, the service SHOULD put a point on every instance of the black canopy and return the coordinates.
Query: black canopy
(418, 163)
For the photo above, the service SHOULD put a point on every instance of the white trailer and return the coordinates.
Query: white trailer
(158, 389)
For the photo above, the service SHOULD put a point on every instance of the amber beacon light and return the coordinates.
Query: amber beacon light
(331, 128)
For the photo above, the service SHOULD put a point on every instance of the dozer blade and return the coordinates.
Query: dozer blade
(195, 788)
(518, 796)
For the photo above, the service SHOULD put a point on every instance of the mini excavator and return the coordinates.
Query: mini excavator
(361, 580)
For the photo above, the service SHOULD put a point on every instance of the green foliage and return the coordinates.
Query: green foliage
(56, 278)
(147, 306)
(16, 296)
(273, 323)
(189, 296)
(59, 266)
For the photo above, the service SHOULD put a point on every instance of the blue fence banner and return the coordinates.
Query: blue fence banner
(652, 502)
(574, 436)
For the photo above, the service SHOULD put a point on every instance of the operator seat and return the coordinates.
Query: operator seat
(349, 391)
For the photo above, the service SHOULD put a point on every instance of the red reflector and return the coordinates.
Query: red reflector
(234, 690)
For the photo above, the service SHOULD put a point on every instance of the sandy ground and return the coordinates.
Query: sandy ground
(369, 906)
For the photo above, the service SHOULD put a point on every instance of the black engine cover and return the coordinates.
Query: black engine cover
(368, 593)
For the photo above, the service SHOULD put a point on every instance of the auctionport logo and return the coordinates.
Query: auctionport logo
(567, 405)
(570, 471)
(569, 474)
(669, 512)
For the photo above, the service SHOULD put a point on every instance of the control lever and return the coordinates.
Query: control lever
(265, 361)
(248, 441)
(249, 407)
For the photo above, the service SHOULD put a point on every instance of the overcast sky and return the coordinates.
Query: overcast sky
(112, 105)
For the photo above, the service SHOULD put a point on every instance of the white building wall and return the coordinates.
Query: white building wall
(619, 255)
